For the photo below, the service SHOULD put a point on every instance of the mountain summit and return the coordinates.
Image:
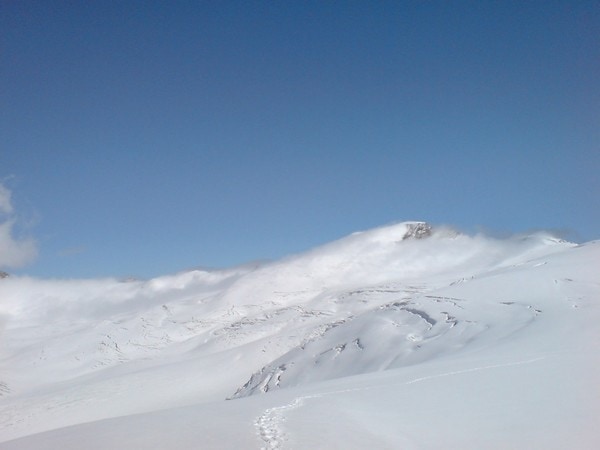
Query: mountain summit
(417, 230)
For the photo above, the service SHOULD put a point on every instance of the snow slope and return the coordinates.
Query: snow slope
(398, 337)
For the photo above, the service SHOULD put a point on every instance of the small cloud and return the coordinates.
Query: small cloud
(14, 251)
(5, 200)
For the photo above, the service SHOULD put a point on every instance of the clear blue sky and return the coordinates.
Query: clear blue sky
(143, 138)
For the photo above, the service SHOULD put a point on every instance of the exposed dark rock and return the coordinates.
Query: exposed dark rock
(418, 230)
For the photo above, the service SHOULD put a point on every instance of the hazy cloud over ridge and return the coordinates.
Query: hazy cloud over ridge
(14, 251)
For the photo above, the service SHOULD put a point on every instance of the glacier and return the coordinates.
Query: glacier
(403, 336)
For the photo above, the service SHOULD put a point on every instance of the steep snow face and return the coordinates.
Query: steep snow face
(405, 321)
(406, 298)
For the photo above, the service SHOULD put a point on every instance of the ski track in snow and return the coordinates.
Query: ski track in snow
(269, 424)
(476, 369)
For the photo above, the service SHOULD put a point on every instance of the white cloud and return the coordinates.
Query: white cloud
(5, 201)
(14, 251)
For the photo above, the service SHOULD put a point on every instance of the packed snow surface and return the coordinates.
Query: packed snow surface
(404, 336)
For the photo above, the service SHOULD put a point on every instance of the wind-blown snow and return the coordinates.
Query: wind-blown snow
(398, 337)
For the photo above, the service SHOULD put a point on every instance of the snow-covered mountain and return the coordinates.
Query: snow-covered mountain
(404, 336)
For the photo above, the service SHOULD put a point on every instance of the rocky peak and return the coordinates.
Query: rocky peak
(417, 230)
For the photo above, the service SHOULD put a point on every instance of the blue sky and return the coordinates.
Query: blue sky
(144, 138)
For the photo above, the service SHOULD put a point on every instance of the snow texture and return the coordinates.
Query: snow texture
(405, 336)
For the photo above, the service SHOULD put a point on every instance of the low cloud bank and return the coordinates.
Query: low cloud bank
(14, 251)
